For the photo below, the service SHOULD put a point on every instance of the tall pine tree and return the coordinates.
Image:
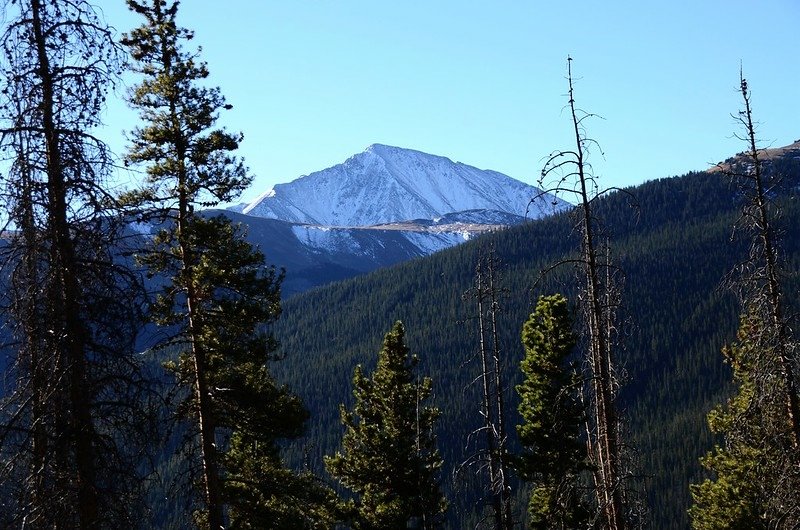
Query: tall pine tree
(553, 454)
(218, 293)
(245, 400)
(71, 422)
(389, 457)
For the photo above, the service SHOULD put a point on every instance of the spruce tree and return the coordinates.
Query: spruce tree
(744, 493)
(218, 294)
(553, 455)
(389, 457)
(756, 470)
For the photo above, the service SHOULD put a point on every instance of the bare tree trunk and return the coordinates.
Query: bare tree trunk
(603, 444)
(487, 408)
(492, 406)
(774, 295)
(503, 479)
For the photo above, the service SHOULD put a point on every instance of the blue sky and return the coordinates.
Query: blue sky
(483, 82)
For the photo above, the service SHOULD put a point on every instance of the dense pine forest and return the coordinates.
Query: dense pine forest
(627, 363)
(676, 248)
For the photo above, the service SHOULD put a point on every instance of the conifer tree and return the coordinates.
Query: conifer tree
(218, 292)
(743, 493)
(756, 470)
(262, 493)
(553, 455)
(246, 401)
(389, 457)
(69, 427)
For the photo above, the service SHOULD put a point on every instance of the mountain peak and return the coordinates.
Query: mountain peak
(379, 148)
(390, 151)
(385, 184)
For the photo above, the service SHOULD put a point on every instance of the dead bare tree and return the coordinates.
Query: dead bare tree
(759, 423)
(568, 172)
(490, 459)
(760, 276)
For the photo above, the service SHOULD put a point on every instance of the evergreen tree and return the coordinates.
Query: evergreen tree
(70, 426)
(553, 455)
(757, 483)
(389, 457)
(218, 293)
(745, 493)
(264, 494)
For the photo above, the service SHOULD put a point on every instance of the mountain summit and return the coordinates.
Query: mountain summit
(387, 184)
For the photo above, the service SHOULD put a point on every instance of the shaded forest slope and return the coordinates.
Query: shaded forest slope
(675, 250)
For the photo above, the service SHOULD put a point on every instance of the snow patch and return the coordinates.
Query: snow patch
(144, 229)
(430, 242)
(266, 195)
(326, 239)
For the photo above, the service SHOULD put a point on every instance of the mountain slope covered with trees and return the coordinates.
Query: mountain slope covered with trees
(675, 253)
(619, 382)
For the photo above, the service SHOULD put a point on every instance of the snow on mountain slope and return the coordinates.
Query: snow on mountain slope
(372, 242)
(314, 255)
(386, 184)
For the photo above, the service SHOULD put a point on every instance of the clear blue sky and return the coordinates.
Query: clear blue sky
(483, 82)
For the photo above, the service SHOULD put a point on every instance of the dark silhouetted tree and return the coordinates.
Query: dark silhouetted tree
(71, 424)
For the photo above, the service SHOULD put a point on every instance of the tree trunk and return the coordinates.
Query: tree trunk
(488, 423)
(503, 479)
(493, 405)
(774, 294)
(607, 484)
(205, 416)
(66, 306)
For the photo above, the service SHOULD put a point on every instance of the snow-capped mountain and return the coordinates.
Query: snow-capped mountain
(388, 184)
(378, 208)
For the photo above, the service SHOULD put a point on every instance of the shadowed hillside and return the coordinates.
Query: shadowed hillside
(675, 249)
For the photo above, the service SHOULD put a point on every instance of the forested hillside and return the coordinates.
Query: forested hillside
(142, 379)
(675, 245)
